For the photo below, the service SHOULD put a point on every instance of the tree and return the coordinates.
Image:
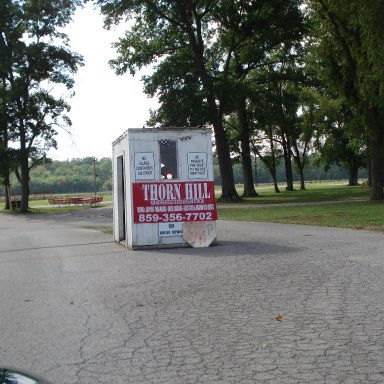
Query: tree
(4, 166)
(275, 37)
(339, 142)
(185, 28)
(206, 38)
(9, 17)
(352, 53)
(268, 152)
(175, 79)
(304, 130)
(35, 57)
(283, 104)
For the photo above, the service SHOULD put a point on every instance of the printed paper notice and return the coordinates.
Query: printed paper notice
(170, 229)
(144, 166)
(197, 165)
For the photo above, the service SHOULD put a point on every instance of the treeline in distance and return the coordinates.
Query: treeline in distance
(88, 175)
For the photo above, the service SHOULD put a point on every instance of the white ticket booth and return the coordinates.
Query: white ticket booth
(163, 189)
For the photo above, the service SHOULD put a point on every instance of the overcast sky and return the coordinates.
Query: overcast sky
(105, 105)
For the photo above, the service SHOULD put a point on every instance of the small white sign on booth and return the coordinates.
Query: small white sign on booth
(197, 165)
(171, 229)
(144, 166)
(163, 194)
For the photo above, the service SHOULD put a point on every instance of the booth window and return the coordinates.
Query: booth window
(168, 159)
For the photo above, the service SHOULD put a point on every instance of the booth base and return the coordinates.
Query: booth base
(161, 246)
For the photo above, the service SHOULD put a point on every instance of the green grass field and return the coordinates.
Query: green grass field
(314, 193)
(314, 206)
(357, 215)
(353, 208)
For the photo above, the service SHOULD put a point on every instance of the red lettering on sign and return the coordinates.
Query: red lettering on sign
(173, 202)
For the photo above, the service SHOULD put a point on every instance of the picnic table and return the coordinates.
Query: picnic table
(15, 204)
(76, 201)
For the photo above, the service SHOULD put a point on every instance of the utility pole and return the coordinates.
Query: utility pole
(94, 174)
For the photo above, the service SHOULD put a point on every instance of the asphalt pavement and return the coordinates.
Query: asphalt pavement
(271, 303)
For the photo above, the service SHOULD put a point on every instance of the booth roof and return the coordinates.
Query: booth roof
(159, 129)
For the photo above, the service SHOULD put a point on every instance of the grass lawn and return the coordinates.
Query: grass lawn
(43, 206)
(354, 209)
(314, 193)
(367, 215)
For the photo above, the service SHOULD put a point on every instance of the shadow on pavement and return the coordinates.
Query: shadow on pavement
(228, 248)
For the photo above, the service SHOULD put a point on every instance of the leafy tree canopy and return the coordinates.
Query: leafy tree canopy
(35, 57)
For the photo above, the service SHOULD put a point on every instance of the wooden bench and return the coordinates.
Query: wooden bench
(15, 204)
(76, 201)
(59, 201)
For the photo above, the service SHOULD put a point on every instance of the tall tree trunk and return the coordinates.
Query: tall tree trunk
(300, 170)
(255, 169)
(194, 31)
(249, 187)
(24, 184)
(5, 168)
(24, 173)
(377, 163)
(274, 178)
(376, 145)
(4, 162)
(302, 181)
(7, 187)
(228, 190)
(300, 162)
(287, 162)
(353, 171)
(369, 166)
(272, 167)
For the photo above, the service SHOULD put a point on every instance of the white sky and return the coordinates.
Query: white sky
(105, 105)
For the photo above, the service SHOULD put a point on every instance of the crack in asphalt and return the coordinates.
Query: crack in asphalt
(55, 246)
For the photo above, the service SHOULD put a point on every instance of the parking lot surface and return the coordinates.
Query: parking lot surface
(270, 304)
